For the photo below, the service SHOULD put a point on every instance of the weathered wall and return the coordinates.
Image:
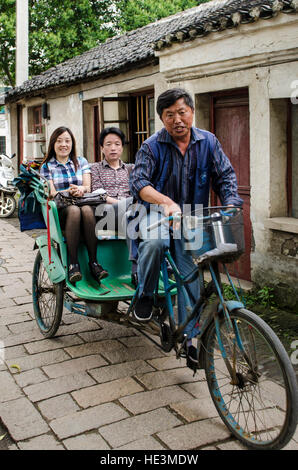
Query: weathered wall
(263, 58)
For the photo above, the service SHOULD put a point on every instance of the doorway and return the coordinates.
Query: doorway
(133, 114)
(230, 124)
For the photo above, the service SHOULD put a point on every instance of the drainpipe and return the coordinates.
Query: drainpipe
(22, 50)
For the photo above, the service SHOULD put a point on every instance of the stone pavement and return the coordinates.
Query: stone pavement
(95, 385)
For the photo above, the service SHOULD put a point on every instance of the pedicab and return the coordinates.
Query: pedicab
(249, 374)
(52, 290)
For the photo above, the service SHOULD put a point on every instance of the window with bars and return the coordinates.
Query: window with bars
(35, 124)
(143, 119)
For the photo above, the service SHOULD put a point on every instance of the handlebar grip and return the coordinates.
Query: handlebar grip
(230, 211)
(176, 216)
(159, 222)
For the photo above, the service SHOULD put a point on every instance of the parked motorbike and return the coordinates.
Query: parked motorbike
(7, 189)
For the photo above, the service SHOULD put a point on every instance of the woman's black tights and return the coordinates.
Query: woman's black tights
(77, 217)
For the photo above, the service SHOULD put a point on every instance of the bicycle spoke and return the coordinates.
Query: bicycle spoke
(48, 299)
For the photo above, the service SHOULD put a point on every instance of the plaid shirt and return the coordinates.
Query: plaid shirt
(64, 175)
(115, 182)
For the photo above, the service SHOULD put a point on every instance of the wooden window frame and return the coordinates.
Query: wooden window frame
(141, 129)
(289, 181)
(289, 160)
(35, 126)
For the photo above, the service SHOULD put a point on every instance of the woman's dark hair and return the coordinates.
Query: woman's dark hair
(111, 130)
(169, 97)
(51, 151)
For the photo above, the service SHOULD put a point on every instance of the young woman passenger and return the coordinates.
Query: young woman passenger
(67, 172)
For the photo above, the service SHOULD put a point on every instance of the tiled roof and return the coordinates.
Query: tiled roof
(224, 14)
(137, 48)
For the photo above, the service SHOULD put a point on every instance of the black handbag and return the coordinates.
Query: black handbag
(64, 199)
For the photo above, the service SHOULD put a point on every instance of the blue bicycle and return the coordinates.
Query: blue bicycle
(250, 377)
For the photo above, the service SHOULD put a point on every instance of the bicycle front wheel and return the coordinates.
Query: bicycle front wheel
(254, 388)
(47, 299)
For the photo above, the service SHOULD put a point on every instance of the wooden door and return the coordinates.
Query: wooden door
(230, 123)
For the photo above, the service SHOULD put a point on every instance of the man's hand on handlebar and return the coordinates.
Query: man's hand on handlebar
(172, 209)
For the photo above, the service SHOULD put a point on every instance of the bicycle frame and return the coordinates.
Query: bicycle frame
(220, 306)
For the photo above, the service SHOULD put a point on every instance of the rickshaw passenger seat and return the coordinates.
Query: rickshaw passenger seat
(109, 235)
(101, 235)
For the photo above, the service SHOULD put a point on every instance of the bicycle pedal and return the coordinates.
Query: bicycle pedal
(181, 353)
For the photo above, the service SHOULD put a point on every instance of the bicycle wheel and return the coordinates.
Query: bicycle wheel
(257, 399)
(47, 299)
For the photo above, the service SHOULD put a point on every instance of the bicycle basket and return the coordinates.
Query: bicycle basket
(214, 233)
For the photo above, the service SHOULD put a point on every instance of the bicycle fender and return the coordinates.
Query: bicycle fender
(54, 269)
(231, 305)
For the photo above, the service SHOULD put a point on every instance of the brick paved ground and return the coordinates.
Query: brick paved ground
(95, 385)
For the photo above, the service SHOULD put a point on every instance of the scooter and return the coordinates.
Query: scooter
(7, 189)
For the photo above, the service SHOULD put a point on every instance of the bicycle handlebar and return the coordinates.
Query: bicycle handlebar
(178, 216)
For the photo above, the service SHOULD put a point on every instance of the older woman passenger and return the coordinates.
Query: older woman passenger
(112, 175)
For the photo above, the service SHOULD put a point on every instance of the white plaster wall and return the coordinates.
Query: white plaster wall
(4, 131)
(246, 42)
(66, 111)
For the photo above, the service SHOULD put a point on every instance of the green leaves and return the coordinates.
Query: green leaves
(7, 41)
(57, 31)
(137, 13)
(62, 30)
